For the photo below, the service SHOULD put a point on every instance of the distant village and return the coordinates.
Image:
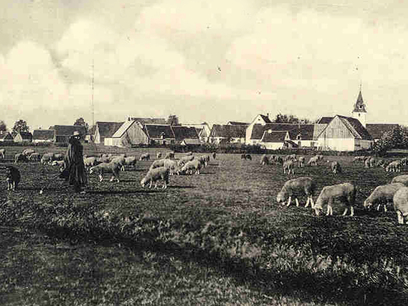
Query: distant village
(339, 133)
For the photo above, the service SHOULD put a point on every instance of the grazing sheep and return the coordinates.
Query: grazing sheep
(90, 162)
(20, 157)
(59, 163)
(289, 165)
(3, 153)
(382, 194)
(157, 163)
(169, 155)
(172, 166)
(404, 161)
(400, 202)
(47, 158)
(290, 157)
(102, 168)
(191, 167)
(189, 153)
(380, 163)
(103, 159)
(301, 162)
(369, 162)
(120, 160)
(184, 160)
(158, 155)
(214, 155)
(358, 158)
(279, 160)
(264, 160)
(130, 161)
(145, 156)
(394, 166)
(320, 157)
(203, 160)
(28, 152)
(155, 175)
(34, 157)
(400, 179)
(298, 186)
(58, 156)
(335, 167)
(345, 192)
(313, 160)
(13, 177)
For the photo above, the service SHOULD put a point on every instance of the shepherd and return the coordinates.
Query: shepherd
(74, 171)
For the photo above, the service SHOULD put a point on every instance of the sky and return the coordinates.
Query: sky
(202, 60)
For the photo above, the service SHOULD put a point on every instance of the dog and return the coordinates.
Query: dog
(13, 177)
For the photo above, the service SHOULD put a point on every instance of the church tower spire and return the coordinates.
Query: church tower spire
(359, 112)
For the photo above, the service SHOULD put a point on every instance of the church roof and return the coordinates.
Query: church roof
(359, 106)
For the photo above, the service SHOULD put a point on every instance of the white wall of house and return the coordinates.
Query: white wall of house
(117, 142)
(363, 144)
(42, 140)
(272, 145)
(258, 120)
(337, 144)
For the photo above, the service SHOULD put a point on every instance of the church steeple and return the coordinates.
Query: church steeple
(359, 112)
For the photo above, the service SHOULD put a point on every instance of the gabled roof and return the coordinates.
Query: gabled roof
(274, 136)
(228, 131)
(6, 135)
(354, 126)
(265, 118)
(156, 131)
(184, 132)
(108, 129)
(43, 134)
(325, 120)
(148, 120)
(26, 135)
(258, 129)
(306, 132)
(378, 129)
(68, 130)
(237, 123)
(123, 128)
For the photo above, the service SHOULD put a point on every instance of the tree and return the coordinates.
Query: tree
(281, 118)
(81, 122)
(3, 126)
(20, 126)
(173, 120)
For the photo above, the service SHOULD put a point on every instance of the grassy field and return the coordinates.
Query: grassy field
(217, 238)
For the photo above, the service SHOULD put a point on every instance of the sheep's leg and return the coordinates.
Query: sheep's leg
(312, 203)
(297, 202)
(289, 200)
(378, 207)
(385, 207)
(307, 202)
(351, 211)
(150, 185)
(100, 177)
(112, 178)
(329, 209)
(400, 217)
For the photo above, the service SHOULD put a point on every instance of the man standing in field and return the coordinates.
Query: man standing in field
(75, 171)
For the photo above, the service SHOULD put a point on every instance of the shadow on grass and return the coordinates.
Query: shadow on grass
(121, 191)
(181, 187)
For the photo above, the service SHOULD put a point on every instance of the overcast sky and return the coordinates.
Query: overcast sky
(202, 60)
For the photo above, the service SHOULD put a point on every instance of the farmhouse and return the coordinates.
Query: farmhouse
(105, 130)
(227, 134)
(6, 137)
(186, 135)
(63, 132)
(43, 136)
(23, 137)
(203, 130)
(259, 120)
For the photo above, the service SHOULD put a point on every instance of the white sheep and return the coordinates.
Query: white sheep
(58, 156)
(380, 163)
(400, 202)
(394, 166)
(335, 167)
(184, 160)
(289, 165)
(172, 166)
(155, 175)
(382, 194)
(204, 160)
(189, 153)
(313, 160)
(369, 162)
(320, 156)
(47, 158)
(90, 161)
(157, 163)
(191, 167)
(345, 192)
(358, 158)
(169, 155)
(131, 161)
(295, 187)
(59, 163)
(28, 152)
(120, 160)
(301, 161)
(145, 156)
(3, 153)
(401, 179)
(103, 159)
(102, 168)
(34, 157)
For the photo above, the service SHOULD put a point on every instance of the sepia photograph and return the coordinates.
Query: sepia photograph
(198, 152)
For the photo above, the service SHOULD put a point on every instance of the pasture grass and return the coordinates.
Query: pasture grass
(225, 220)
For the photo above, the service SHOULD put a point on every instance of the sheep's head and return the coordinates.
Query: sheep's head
(91, 170)
(143, 182)
(280, 198)
(367, 204)
(318, 207)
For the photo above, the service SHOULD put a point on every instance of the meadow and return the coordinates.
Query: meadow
(218, 238)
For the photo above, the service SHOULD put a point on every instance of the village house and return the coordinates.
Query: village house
(43, 136)
(62, 133)
(105, 130)
(22, 137)
(186, 135)
(203, 130)
(259, 120)
(227, 134)
(6, 137)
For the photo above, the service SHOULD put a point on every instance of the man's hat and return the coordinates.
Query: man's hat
(76, 133)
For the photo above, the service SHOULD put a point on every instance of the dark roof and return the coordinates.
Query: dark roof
(107, 129)
(235, 131)
(357, 126)
(377, 130)
(68, 130)
(148, 120)
(305, 131)
(155, 131)
(259, 129)
(359, 106)
(184, 132)
(43, 134)
(266, 119)
(274, 136)
(237, 123)
(325, 120)
(6, 135)
(26, 135)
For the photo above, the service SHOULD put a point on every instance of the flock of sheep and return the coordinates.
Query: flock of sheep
(396, 192)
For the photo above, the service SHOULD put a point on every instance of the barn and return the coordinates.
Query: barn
(227, 133)
(43, 136)
(105, 129)
(23, 137)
